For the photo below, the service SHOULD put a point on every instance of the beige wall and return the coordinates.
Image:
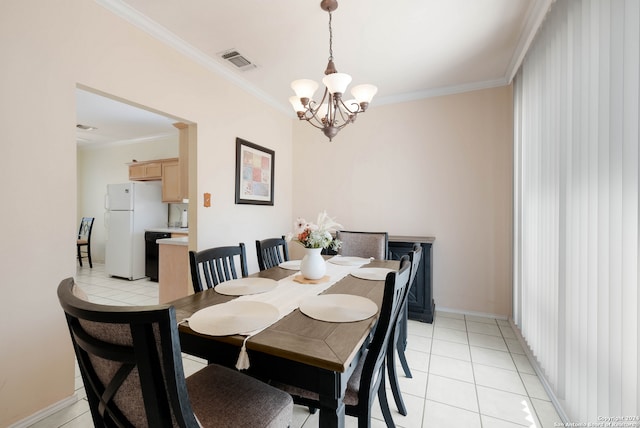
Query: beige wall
(439, 167)
(434, 167)
(47, 48)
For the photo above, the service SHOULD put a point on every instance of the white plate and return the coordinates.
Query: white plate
(291, 265)
(245, 286)
(234, 317)
(338, 307)
(372, 274)
(348, 261)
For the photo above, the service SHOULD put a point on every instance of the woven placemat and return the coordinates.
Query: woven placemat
(302, 280)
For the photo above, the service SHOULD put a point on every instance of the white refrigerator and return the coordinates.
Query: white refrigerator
(131, 208)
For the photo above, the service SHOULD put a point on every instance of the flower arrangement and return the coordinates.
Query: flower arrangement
(316, 235)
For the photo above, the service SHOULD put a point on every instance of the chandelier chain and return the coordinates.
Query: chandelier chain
(330, 39)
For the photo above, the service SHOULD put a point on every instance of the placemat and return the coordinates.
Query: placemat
(302, 280)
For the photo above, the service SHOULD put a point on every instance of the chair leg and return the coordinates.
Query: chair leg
(79, 255)
(91, 266)
(384, 403)
(402, 340)
(393, 377)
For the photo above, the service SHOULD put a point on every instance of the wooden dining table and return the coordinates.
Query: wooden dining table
(297, 350)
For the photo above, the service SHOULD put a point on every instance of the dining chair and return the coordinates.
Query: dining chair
(84, 239)
(271, 252)
(399, 342)
(216, 265)
(363, 244)
(131, 365)
(368, 378)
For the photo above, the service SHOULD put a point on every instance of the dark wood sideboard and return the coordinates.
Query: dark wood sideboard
(421, 304)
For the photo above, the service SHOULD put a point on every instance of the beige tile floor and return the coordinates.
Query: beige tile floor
(468, 371)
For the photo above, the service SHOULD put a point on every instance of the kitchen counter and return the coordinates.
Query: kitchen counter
(181, 240)
(177, 230)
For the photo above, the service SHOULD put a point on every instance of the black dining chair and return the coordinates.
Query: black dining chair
(212, 266)
(271, 252)
(368, 378)
(399, 342)
(363, 244)
(84, 240)
(131, 365)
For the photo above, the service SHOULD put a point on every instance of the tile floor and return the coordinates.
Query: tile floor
(468, 371)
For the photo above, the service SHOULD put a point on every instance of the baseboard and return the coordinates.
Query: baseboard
(540, 373)
(472, 313)
(46, 412)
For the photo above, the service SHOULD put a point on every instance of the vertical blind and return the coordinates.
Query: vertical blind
(576, 246)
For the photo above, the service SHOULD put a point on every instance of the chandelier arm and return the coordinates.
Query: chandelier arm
(346, 107)
(345, 120)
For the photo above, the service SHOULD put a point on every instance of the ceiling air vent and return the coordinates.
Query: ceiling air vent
(236, 58)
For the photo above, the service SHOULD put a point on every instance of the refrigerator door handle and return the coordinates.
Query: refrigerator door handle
(106, 202)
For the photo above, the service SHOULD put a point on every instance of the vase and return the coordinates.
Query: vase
(312, 265)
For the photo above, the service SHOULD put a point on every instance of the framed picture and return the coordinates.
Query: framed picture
(254, 173)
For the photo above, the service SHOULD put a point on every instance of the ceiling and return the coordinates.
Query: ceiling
(410, 49)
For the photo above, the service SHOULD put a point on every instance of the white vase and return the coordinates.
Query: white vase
(313, 265)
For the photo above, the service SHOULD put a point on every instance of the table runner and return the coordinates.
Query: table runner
(286, 297)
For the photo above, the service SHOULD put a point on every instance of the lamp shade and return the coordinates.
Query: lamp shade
(304, 88)
(296, 104)
(336, 82)
(364, 93)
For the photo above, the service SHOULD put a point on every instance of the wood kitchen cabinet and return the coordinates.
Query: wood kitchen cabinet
(145, 171)
(170, 171)
(171, 189)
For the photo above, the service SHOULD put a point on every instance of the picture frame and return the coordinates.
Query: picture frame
(255, 166)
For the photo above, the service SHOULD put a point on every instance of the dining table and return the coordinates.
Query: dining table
(297, 349)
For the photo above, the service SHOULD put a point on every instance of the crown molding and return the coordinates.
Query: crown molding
(438, 92)
(157, 31)
(535, 16)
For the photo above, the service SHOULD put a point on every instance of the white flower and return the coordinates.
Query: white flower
(316, 235)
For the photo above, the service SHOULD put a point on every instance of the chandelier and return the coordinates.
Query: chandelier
(332, 113)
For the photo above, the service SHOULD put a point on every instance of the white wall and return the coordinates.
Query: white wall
(102, 165)
(437, 167)
(47, 48)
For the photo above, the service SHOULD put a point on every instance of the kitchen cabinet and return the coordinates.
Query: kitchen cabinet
(145, 171)
(420, 299)
(172, 172)
(171, 189)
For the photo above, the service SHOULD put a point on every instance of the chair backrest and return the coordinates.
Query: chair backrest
(130, 362)
(86, 225)
(414, 256)
(364, 244)
(395, 290)
(271, 252)
(216, 265)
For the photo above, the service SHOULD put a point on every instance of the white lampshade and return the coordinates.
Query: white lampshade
(304, 88)
(364, 93)
(295, 102)
(336, 82)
